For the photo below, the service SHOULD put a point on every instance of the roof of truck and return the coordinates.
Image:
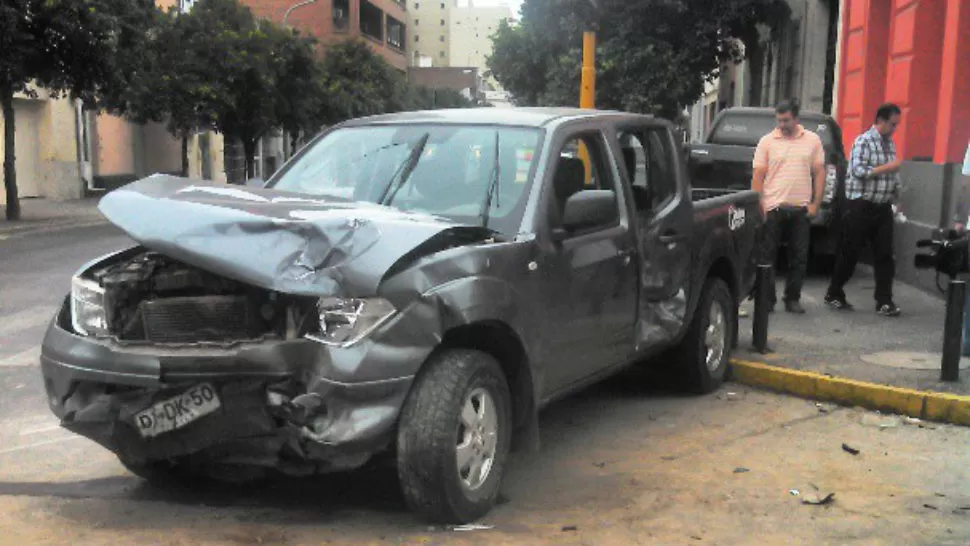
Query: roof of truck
(528, 117)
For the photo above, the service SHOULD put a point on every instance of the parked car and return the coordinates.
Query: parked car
(724, 160)
(487, 262)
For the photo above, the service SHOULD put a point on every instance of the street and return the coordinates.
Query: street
(625, 462)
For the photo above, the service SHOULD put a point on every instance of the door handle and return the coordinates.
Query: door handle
(671, 238)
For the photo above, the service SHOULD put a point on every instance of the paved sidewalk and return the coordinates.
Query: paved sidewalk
(901, 352)
(47, 215)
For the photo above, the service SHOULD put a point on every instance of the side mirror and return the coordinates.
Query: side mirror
(255, 183)
(588, 209)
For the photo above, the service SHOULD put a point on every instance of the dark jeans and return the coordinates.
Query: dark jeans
(794, 224)
(866, 222)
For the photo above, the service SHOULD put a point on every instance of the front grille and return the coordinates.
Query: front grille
(195, 319)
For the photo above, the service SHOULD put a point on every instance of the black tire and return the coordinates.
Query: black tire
(692, 352)
(428, 432)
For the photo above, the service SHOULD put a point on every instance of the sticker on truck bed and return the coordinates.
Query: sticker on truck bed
(736, 218)
(177, 412)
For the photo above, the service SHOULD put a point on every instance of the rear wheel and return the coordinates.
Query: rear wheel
(454, 437)
(705, 351)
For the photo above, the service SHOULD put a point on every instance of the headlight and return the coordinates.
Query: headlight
(831, 178)
(87, 308)
(344, 322)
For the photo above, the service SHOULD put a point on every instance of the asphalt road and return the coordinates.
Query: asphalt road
(625, 462)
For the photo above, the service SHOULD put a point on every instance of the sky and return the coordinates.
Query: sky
(514, 4)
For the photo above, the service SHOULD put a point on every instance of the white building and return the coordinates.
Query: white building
(471, 33)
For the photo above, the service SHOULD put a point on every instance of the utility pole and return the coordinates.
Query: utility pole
(587, 87)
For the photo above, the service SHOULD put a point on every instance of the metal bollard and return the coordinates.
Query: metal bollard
(956, 295)
(762, 302)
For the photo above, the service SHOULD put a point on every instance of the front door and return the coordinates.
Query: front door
(664, 223)
(588, 278)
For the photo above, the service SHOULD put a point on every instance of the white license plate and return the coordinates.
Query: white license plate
(177, 412)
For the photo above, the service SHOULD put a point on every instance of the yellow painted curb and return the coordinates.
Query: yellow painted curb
(928, 405)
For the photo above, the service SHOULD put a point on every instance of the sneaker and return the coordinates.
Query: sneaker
(839, 304)
(795, 307)
(888, 310)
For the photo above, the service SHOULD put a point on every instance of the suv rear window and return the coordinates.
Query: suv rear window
(747, 130)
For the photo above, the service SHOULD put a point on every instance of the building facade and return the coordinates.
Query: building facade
(46, 147)
(381, 23)
(430, 26)
(471, 33)
(796, 60)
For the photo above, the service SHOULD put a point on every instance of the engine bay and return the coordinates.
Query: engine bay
(151, 297)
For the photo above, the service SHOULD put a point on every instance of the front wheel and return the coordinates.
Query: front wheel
(705, 352)
(454, 437)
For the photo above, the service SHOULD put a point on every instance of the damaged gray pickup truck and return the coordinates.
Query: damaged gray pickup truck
(412, 286)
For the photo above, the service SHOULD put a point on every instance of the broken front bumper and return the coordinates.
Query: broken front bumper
(283, 404)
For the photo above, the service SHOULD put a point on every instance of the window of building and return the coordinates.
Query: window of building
(416, 38)
(442, 22)
(341, 14)
(371, 20)
(417, 22)
(417, 5)
(395, 33)
(441, 38)
(442, 5)
(442, 54)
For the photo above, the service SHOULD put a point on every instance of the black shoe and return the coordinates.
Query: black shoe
(839, 304)
(795, 307)
(888, 310)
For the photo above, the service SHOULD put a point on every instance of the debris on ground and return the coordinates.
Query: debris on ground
(741, 470)
(876, 420)
(668, 457)
(817, 499)
(930, 506)
(849, 449)
(695, 537)
(599, 465)
(822, 408)
(473, 527)
(793, 492)
(568, 528)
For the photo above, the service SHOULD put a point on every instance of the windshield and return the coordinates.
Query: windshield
(443, 170)
(747, 130)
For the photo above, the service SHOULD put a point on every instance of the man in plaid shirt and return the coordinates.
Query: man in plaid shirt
(871, 189)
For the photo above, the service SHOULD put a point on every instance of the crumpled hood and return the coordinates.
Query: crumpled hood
(281, 241)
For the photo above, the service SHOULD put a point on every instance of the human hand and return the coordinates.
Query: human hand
(813, 210)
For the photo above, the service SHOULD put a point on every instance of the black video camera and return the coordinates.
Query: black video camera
(948, 253)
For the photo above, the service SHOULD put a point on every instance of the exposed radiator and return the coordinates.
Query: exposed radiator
(202, 318)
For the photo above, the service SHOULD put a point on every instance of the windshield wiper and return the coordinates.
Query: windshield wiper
(493, 189)
(404, 171)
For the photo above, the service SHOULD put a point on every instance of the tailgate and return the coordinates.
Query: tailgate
(714, 166)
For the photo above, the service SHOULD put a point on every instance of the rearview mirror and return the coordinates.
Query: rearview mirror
(589, 209)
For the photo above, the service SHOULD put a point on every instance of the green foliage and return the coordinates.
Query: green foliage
(653, 56)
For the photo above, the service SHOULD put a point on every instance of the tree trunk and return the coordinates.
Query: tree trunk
(249, 150)
(756, 63)
(185, 155)
(9, 153)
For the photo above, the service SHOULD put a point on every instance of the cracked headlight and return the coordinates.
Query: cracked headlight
(87, 308)
(345, 321)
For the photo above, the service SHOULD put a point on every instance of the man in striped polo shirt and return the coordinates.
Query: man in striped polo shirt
(786, 162)
(871, 188)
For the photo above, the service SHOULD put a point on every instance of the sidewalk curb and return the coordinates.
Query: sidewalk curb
(926, 405)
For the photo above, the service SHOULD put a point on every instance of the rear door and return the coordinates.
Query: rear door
(664, 228)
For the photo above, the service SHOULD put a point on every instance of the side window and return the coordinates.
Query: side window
(648, 157)
(581, 165)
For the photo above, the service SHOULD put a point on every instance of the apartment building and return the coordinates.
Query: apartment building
(430, 25)
(471, 33)
(383, 24)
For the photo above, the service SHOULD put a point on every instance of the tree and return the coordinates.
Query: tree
(653, 56)
(64, 46)
(357, 82)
